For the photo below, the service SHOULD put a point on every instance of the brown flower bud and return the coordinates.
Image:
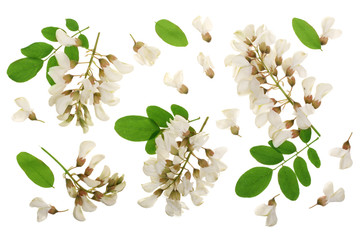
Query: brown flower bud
(67, 92)
(316, 104)
(88, 171)
(80, 162)
(268, 49)
(295, 133)
(260, 67)
(73, 64)
(289, 123)
(183, 89)
(296, 105)
(175, 195)
(203, 163)
(104, 63)
(53, 210)
(111, 58)
(263, 47)
(346, 145)
(254, 71)
(251, 54)
(323, 40)
(308, 99)
(97, 98)
(291, 81)
(289, 72)
(274, 72)
(278, 61)
(32, 116)
(176, 167)
(277, 109)
(210, 73)
(68, 78)
(206, 37)
(235, 130)
(187, 175)
(248, 42)
(209, 153)
(272, 202)
(158, 192)
(196, 173)
(261, 79)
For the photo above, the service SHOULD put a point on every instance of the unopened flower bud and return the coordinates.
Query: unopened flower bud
(274, 72)
(291, 81)
(235, 130)
(254, 71)
(210, 73)
(261, 79)
(295, 133)
(308, 99)
(206, 37)
(196, 173)
(175, 195)
(209, 153)
(346, 145)
(260, 67)
(158, 192)
(251, 54)
(203, 163)
(176, 167)
(263, 47)
(104, 63)
(278, 61)
(316, 104)
(268, 49)
(289, 123)
(277, 109)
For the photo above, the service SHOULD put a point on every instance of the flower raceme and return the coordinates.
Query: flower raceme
(178, 149)
(73, 102)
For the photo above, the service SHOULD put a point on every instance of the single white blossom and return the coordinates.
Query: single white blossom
(43, 208)
(65, 40)
(291, 65)
(329, 32)
(207, 65)
(269, 212)
(230, 120)
(176, 82)
(330, 195)
(24, 112)
(204, 27)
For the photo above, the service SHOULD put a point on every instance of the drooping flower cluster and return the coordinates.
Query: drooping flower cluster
(257, 72)
(174, 172)
(103, 189)
(72, 100)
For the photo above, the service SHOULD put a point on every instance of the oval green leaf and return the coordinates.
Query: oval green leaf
(51, 63)
(72, 52)
(50, 33)
(159, 115)
(36, 170)
(71, 24)
(24, 69)
(136, 128)
(266, 155)
(305, 135)
(171, 33)
(37, 50)
(288, 183)
(314, 157)
(150, 146)
(306, 33)
(84, 41)
(253, 182)
(286, 148)
(179, 110)
(302, 171)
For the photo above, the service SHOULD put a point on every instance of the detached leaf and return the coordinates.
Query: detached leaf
(84, 41)
(302, 171)
(50, 33)
(305, 135)
(286, 148)
(171, 33)
(24, 69)
(159, 115)
(136, 128)
(51, 63)
(36, 170)
(314, 157)
(266, 155)
(178, 110)
(253, 182)
(306, 33)
(37, 50)
(288, 183)
(150, 146)
(72, 52)
(71, 24)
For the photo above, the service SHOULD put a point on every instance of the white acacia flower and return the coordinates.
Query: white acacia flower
(109, 199)
(198, 140)
(174, 207)
(107, 90)
(321, 90)
(87, 94)
(330, 195)
(291, 65)
(62, 102)
(65, 40)
(277, 131)
(207, 65)
(100, 113)
(269, 211)
(78, 213)
(145, 55)
(57, 73)
(344, 155)
(120, 66)
(176, 82)
(242, 70)
(328, 32)
(307, 85)
(203, 27)
(230, 121)
(148, 202)
(43, 208)
(302, 114)
(108, 73)
(179, 125)
(281, 46)
(24, 112)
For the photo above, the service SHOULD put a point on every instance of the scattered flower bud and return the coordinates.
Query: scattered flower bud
(330, 195)
(269, 211)
(203, 27)
(344, 154)
(207, 65)
(24, 112)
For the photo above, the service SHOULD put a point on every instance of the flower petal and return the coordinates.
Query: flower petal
(109, 199)
(328, 189)
(338, 196)
(20, 116)
(42, 214)
(271, 219)
(64, 39)
(100, 113)
(263, 210)
(39, 203)
(23, 103)
(85, 148)
(88, 205)
(148, 201)
(346, 161)
(78, 213)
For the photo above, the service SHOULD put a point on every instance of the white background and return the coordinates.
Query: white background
(223, 214)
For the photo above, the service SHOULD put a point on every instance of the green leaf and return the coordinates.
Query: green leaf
(84, 41)
(24, 69)
(314, 157)
(178, 110)
(72, 52)
(51, 63)
(266, 155)
(150, 146)
(36, 170)
(71, 24)
(50, 33)
(305, 135)
(286, 148)
(159, 115)
(306, 33)
(136, 128)
(302, 171)
(288, 183)
(253, 182)
(171, 33)
(37, 50)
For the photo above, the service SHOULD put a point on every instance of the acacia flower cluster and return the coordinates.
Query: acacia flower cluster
(72, 100)
(257, 72)
(178, 170)
(103, 188)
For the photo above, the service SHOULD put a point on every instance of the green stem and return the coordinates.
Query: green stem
(194, 120)
(92, 56)
(52, 54)
(296, 154)
(202, 127)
